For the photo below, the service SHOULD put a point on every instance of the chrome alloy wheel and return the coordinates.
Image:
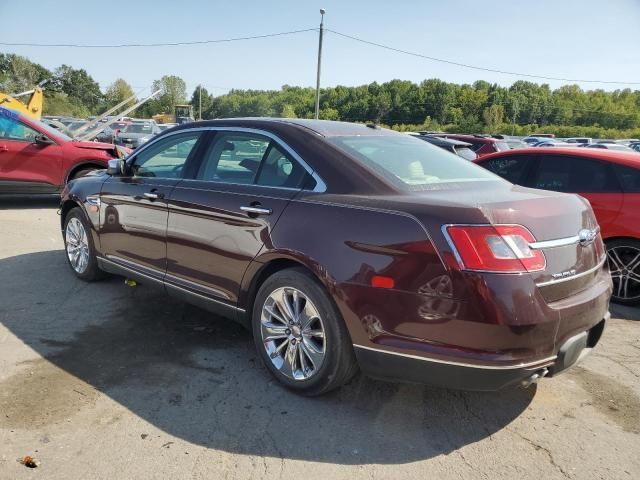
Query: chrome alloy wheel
(624, 263)
(292, 333)
(77, 245)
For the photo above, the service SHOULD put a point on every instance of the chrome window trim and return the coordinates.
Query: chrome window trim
(320, 187)
(573, 277)
(538, 363)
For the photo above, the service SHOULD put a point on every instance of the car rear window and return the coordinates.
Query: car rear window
(417, 165)
(502, 146)
(466, 153)
(138, 128)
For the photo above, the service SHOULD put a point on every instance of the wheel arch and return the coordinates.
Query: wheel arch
(620, 237)
(262, 268)
(82, 165)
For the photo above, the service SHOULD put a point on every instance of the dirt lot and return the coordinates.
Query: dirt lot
(104, 381)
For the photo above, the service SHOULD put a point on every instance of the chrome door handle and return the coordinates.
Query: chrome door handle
(256, 210)
(152, 196)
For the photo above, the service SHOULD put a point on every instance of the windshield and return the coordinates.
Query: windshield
(138, 128)
(416, 164)
(52, 131)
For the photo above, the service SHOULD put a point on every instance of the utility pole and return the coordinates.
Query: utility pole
(515, 112)
(322, 12)
(200, 102)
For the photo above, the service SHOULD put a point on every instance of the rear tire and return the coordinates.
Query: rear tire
(624, 264)
(300, 334)
(79, 247)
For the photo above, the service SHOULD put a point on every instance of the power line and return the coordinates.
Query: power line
(475, 67)
(167, 44)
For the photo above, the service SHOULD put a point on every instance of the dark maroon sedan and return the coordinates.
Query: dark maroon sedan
(348, 246)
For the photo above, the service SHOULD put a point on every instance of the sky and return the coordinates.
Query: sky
(585, 39)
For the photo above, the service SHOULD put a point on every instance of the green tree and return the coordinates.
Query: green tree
(206, 99)
(118, 92)
(493, 117)
(78, 84)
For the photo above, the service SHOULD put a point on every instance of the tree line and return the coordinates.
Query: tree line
(433, 104)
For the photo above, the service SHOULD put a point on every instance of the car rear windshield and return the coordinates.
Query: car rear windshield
(138, 128)
(502, 146)
(417, 165)
(466, 153)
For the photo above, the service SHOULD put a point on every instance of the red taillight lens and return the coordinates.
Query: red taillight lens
(495, 248)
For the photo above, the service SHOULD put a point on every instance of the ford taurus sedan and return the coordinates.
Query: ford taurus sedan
(346, 247)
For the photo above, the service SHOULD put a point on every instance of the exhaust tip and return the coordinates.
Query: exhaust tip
(527, 382)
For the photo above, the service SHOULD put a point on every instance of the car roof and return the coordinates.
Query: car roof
(324, 128)
(470, 138)
(631, 159)
(443, 141)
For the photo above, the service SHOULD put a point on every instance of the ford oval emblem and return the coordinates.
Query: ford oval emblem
(587, 236)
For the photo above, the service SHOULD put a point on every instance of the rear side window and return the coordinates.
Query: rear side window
(629, 178)
(511, 168)
(501, 146)
(248, 158)
(564, 173)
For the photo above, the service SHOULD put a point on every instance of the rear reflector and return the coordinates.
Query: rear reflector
(495, 248)
(382, 282)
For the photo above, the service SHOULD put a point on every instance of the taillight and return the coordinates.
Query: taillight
(495, 248)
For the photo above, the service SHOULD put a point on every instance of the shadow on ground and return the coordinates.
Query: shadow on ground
(197, 377)
(18, 202)
(624, 311)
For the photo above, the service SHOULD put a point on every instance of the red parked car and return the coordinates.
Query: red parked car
(38, 159)
(481, 144)
(345, 246)
(610, 180)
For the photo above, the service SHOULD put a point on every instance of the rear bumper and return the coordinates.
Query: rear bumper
(408, 367)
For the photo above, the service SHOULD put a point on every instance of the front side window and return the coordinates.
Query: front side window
(166, 158)
(409, 162)
(12, 129)
(563, 173)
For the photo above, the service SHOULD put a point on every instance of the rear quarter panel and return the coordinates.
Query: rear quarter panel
(345, 246)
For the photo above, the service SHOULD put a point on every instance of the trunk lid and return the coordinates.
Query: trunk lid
(549, 216)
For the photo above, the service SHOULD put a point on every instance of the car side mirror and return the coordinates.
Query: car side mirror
(116, 167)
(43, 140)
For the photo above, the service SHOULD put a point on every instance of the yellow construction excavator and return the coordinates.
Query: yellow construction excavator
(32, 108)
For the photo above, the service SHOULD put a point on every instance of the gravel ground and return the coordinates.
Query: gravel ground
(105, 381)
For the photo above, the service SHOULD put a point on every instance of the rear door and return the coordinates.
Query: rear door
(26, 166)
(594, 180)
(133, 208)
(220, 219)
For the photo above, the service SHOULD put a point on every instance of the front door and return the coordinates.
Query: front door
(220, 219)
(26, 166)
(133, 208)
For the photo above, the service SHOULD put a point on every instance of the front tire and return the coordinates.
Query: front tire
(79, 247)
(300, 335)
(624, 264)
